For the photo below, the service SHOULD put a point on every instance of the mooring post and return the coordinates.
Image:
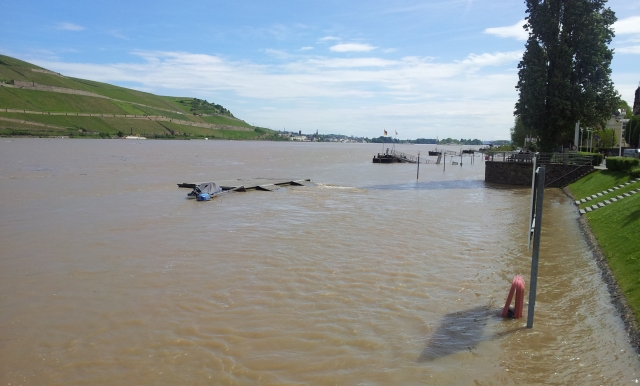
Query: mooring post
(444, 167)
(418, 172)
(533, 282)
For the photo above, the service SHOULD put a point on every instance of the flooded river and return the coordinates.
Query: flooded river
(110, 276)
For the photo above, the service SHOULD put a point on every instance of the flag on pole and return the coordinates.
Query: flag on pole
(385, 132)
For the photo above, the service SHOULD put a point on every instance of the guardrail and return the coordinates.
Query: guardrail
(409, 158)
(543, 159)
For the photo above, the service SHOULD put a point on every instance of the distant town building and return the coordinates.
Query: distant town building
(617, 123)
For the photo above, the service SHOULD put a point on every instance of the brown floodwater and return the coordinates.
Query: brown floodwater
(110, 276)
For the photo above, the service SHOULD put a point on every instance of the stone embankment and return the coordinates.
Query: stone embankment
(520, 173)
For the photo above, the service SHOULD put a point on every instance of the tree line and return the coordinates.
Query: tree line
(564, 74)
(427, 141)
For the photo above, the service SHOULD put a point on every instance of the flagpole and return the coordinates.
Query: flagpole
(394, 141)
(384, 138)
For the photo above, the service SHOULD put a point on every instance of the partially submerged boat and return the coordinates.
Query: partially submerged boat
(204, 191)
(207, 190)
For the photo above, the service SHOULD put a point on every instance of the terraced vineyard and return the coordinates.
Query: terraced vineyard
(37, 102)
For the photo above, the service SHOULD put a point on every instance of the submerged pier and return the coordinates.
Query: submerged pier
(397, 157)
(263, 184)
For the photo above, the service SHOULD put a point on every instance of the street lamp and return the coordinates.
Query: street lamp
(588, 130)
(622, 114)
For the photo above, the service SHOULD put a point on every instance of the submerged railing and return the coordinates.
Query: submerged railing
(543, 158)
(409, 158)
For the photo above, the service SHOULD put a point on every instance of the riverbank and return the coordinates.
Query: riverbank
(612, 242)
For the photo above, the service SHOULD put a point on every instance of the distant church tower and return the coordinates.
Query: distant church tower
(636, 102)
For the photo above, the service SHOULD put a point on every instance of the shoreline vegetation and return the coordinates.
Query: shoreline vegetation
(611, 233)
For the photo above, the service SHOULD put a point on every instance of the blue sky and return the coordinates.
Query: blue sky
(424, 69)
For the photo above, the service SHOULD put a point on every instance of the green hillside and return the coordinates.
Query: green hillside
(37, 102)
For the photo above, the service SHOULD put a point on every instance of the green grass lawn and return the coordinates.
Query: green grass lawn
(12, 129)
(617, 229)
(35, 100)
(596, 182)
(111, 125)
(610, 195)
(213, 133)
(221, 120)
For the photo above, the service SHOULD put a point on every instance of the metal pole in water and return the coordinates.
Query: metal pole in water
(418, 173)
(533, 198)
(533, 282)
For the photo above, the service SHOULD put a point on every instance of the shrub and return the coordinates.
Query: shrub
(596, 157)
(622, 164)
(635, 173)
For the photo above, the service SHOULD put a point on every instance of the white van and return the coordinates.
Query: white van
(633, 153)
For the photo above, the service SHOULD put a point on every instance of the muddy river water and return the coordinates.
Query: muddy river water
(110, 276)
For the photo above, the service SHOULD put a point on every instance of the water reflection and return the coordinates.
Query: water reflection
(457, 331)
(461, 331)
(434, 185)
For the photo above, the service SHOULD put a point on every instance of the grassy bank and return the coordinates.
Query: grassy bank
(616, 228)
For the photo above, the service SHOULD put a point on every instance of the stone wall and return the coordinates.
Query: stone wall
(520, 173)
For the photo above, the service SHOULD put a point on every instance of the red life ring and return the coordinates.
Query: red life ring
(517, 286)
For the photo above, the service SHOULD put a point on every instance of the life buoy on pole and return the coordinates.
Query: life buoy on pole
(517, 287)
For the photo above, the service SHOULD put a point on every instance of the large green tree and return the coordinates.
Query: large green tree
(623, 105)
(564, 75)
(519, 133)
(632, 131)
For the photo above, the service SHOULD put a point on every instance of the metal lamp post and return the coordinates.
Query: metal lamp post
(620, 140)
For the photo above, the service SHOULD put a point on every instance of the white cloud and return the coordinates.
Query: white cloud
(347, 63)
(513, 31)
(495, 59)
(277, 53)
(117, 34)
(352, 47)
(307, 48)
(69, 27)
(345, 95)
(328, 38)
(629, 25)
(629, 50)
